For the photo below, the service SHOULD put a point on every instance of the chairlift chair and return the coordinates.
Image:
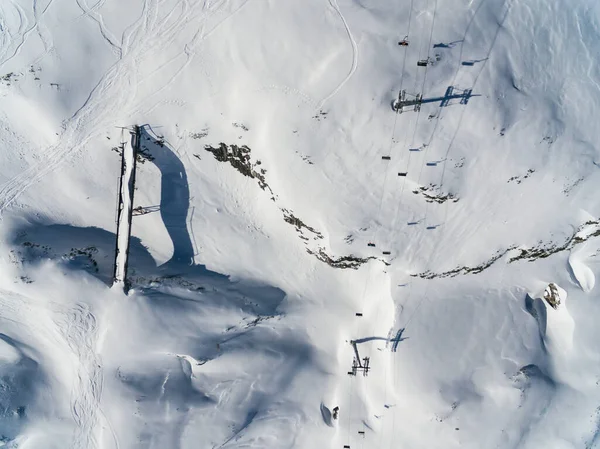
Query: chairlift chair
(423, 63)
(403, 42)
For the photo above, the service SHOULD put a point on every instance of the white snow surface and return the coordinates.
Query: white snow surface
(235, 334)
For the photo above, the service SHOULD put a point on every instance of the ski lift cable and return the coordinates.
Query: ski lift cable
(417, 120)
(444, 163)
(453, 83)
(402, 190)
(407, 34)
(430, 43)
(446, 206)
(406, 132)
(373, 235)
(419, 110)
(383, 194)
(423, 89)
(367, 281)
(456, 72)
(416, 125)
(458, 127)
(440, 113)
(350, 409)
(401, 85)
(368, 278)
(397, 113)
(483, 66)
(410, 293)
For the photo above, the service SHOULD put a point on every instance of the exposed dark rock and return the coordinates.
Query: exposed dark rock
(199, 135)
(8, 78)
(583, 233)
(241, 126)
(289, 217)
(351, 261)
(239, 158)
(461, 270)
(320, 115)
(519, 179)
(552, 296)
(431, 196)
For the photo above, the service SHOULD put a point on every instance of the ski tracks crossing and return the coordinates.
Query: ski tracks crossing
(96, 17)
(71, 331)
(116, 90)
(79, 329)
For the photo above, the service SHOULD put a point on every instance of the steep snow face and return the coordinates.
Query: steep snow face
(290, 211)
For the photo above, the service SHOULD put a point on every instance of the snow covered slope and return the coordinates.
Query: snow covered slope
(264, 127)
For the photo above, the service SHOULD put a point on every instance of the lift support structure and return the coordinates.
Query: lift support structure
(357, 363)
(401, 102)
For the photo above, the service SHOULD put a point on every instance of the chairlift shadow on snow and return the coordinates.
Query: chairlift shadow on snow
(174, 195)
(92, 249)
(472, 62)
(174, 207)
(447, 45)
(189, 293)
(395, 341)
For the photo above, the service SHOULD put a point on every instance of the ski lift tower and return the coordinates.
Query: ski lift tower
(357, 363)
(402, 102)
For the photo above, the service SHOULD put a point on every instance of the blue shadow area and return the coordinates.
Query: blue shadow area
(92, 249)
(174, 196)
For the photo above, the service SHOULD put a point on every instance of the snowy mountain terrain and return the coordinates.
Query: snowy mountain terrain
(293, 219)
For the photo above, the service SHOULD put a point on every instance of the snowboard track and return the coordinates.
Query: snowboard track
(117, 88)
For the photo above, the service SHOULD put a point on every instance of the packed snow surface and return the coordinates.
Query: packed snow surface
(290, 211)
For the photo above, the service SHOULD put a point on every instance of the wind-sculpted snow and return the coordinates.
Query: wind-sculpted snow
(286, 219)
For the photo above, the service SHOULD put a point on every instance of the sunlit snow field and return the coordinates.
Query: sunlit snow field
(264, 127)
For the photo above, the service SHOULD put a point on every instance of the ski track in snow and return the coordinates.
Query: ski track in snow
(24, 32)
(42, 31)
(449, 146)
(20, 36)
(76, 328)
(336, 7)
(77, 333)
(115, 90)
(79, 326)
(106, 34)
(80, 330)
